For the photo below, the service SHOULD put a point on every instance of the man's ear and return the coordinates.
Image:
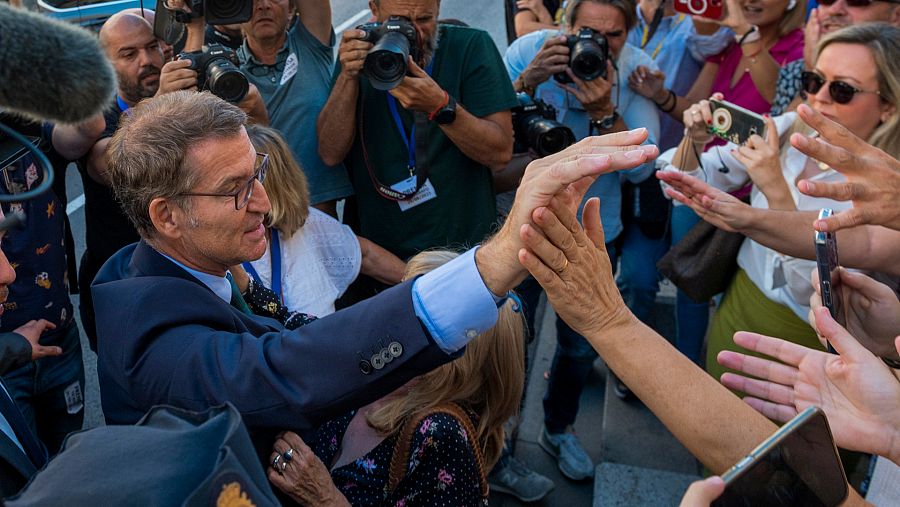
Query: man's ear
(374, 8)
(166, 218)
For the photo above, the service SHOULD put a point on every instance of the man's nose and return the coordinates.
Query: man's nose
(7, 273)
(259, 199)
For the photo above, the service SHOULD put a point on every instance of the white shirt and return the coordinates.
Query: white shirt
(318, 263)
(783, 279)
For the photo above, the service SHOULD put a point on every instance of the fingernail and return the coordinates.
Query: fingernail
(766, 115)
(634, 154)
(709, 122)
(640, 130)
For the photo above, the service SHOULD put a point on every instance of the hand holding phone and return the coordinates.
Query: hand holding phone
(733, 123)
(829, 278)
(797, 465)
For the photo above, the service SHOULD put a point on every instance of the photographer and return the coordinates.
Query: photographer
(461, 88)
(588, 107)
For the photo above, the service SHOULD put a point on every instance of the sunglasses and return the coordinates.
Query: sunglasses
(840, 92)
(857, 3)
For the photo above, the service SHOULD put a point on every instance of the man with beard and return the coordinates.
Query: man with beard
(454, 101)
(830, 15)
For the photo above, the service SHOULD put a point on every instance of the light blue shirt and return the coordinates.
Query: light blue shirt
(5, 426)
(452, 301)
(680, 52)
(636, 111)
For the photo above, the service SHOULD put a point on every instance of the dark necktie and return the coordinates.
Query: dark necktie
(237, 300)
(33, 448)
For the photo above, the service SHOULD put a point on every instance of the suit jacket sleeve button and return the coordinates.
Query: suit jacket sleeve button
(386, 356)
(365, 367)
(377, 361)
(395, 349)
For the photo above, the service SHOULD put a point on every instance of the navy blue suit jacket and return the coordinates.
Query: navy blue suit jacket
(166, 338)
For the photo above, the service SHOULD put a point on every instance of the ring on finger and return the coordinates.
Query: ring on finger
(288, 455)
(278, 463)
(566, 265)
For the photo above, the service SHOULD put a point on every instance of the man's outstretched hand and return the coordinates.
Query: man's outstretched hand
(565, 175)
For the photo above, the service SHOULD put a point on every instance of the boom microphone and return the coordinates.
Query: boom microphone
(50, 70)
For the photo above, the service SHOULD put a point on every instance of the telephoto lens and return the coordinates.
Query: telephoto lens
(225, 80)
(536, 128)
(588, 53)
(385, 64)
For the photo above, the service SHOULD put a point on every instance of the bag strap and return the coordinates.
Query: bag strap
(400, 458)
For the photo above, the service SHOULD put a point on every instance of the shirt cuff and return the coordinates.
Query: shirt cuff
(454, 304)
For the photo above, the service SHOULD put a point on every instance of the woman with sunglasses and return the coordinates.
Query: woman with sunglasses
(853, 82)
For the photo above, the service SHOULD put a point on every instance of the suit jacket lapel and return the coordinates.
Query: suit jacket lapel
(11, 453)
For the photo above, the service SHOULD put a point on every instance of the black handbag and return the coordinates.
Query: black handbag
(703, 263)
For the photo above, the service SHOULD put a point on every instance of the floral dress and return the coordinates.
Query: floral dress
(442, 468)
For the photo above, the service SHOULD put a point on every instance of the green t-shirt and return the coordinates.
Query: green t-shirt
(468, 66)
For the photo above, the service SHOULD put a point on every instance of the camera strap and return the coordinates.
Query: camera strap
(416, 143)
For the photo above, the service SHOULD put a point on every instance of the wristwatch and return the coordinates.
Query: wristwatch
(447, 114)
(605, 123)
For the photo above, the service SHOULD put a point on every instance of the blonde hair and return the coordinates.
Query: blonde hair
(883, 40)
(488, 379)
(793, 19)
(285, 182)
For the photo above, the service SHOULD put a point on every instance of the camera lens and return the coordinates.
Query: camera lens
(226, 81)
(588, 60)
(547, 137)
(385, 64)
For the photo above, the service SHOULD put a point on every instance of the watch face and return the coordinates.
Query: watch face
(447, 114)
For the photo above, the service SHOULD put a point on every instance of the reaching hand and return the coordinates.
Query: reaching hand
(859, 394)
(649, 83)
(697, 120)
(177, 75)
(571, 264)
(873, 176)
(717, 207)
(873, 311)
(565, 175)
(811, 35)
(302, 475)
(553, 58)
(733, 18)
(538, 8)
(702, 493)
(762, 159)
(32, 331)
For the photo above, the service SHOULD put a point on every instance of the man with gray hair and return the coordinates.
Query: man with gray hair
(173, 328)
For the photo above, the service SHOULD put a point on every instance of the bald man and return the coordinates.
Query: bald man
(150, 16)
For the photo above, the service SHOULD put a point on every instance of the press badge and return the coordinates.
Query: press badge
(74, 398)
(426, 193)
(290, 68)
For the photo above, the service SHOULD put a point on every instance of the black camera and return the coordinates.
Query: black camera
(535, 126)
(588, 54)
(218, 12)
(395, 40)
(217, 71)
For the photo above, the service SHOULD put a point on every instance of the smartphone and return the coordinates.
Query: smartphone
(829, 279)
(797, 465)
(711, 9)
(735, 124)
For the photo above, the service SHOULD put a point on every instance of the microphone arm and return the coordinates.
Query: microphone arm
(41, 161)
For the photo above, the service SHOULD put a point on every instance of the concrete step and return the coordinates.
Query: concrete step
(617, 485)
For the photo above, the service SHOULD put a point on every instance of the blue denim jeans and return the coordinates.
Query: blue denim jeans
(50, 391)
(571, 366)
(691, 317)
(638, 278)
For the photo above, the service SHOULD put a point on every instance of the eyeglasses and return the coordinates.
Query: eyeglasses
(857, 3)
(242, 195)
(840, 92)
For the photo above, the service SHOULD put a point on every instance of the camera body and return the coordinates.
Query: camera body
(710, 9)
(217, 71)
(536, 128)
(216, 12)
(733, 123)
(395, 41)
(588, 54)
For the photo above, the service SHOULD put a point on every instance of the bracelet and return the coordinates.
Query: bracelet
(671, 108)
(434, 113)
(528, 90)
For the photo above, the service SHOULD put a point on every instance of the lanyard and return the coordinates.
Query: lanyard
(646, 34)
(122, 105)
(410, 140)
(275, 255)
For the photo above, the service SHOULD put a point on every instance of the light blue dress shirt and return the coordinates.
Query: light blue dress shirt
(452, 301)
(5, 426)
(636, 111)
(680, 53)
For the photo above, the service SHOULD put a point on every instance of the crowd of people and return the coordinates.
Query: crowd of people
(354, 265)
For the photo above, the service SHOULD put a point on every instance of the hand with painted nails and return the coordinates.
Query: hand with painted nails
(762, 159)
(713, 205)
(859, 394)
(873, 176)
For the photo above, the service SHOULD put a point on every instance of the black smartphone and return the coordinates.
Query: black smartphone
(829, 278)
(797, 465)
(735, 124)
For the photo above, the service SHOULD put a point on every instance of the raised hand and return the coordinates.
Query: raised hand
(649, 83)
(301, 475)
(594, 95)
(553, 58)
(352, 52)
(717, 207)
(859, 394)
(873, 176)
(762, 159)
